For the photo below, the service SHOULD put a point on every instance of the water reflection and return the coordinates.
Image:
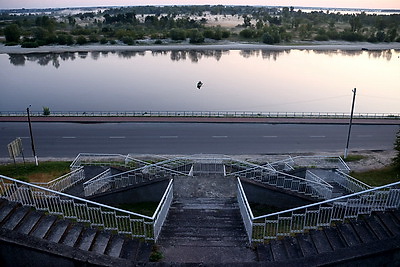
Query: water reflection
(182, 55)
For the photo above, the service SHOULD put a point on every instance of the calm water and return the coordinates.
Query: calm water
(293, 80)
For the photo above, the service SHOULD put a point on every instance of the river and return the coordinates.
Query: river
(233, 80)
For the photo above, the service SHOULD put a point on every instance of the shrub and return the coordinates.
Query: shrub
(46, 111)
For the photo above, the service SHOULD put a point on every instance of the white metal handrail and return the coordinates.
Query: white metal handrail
(98, 184)
(320, 161)
(66, 181)
(107, 182)
(83, 210)
(106, 160)
(313, 216)
(286, 181)
(349, 183)
(245, 210)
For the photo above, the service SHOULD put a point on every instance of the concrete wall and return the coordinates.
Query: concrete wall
(149, 192)
(272, 197)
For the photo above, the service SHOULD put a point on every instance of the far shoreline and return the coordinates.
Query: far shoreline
(319, 46)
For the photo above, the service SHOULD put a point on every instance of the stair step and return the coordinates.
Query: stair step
(16, 217)
(278, 250)
(202, 242)
(101, 242)
(390, 222)
(348, 234)
(43, 226)
(144, 252)
(7, 209)
(306, 245)
(264, 253)
(320, 241)
(29, 222)
(363, 232)
(377, 228)
(57, 231)
(72, 236)
(86, 239)
(292, 248)
(115, 246)
(130, 249)
(334, 238)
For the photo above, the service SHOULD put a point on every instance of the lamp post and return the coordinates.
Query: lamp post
(351, 120)
(30, 131)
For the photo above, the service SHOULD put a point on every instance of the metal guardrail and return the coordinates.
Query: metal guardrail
(313, 216)
(349, 183)
(66, 181)
(89, 159)
(318, 161)
(245, 210)
(98, 184)
(86, 211)
(106, 182)
(316, 188)
(218, 114)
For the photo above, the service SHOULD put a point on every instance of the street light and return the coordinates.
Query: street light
(30, 131)
(351, 120)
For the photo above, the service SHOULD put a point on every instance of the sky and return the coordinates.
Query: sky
(374, 4)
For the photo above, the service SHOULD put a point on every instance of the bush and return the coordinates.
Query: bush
(267, 38)
(321, 37)
(46, 111)
(81, 40)
(29, 44)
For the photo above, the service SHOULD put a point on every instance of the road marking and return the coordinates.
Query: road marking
(68, 137)
(270, 136)
(117, 137)
(168, 136)
(24, 137)
(364, 136)
(317, 136)
(219, 136)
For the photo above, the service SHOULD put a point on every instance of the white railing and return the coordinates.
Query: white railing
(228, 114)
(107, 182)
(316, 189)
(318, 185)
(86, 211)
(349, 183)
(66, 181)
(88, 159)
(98, 184)
(313, 216)
(318, 161)
(245, 210)
(162, 209)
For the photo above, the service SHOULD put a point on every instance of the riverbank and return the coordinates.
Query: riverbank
(319, 46)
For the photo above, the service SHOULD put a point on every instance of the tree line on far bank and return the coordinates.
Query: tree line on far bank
(167, 24)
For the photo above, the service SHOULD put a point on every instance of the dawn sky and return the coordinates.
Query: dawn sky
(379, 4)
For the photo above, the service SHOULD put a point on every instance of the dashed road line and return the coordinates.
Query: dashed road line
(168, 136)
(117, 137)
(68, 137)
(317, 136)
(219, 136)
(270, 136)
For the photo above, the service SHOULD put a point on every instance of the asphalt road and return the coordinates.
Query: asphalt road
(69, 139)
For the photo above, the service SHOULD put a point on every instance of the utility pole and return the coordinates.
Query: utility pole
(30, 131)
(351, 120)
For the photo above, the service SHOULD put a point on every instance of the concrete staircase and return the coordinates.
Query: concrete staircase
(40, 236)
(204, 223)
(210, 230)
(374, 241)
